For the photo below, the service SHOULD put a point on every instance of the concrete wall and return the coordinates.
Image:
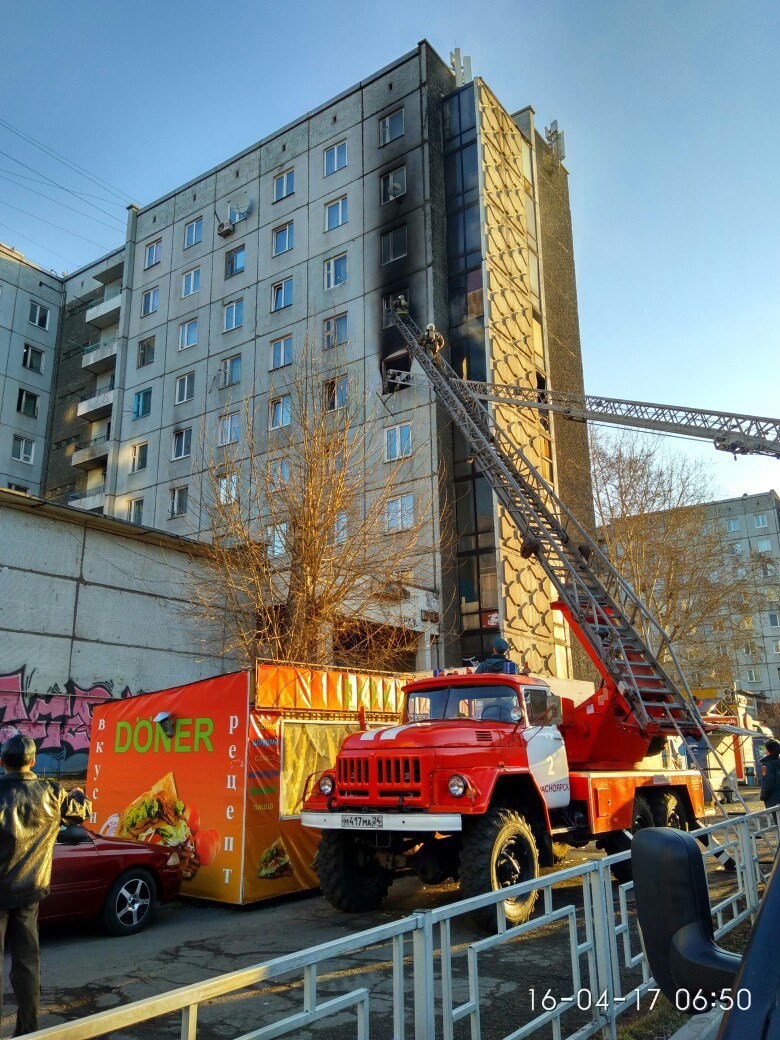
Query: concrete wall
(91, 605)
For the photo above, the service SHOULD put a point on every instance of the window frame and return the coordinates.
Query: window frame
(282, 285)
(40, 309)
(225, 367)
(132, 504)
(330, 337)
(732, 524)
(185, 328)
(197, 235)
(289, 228)
(179, 493)
(186, 442)
(194, 275)
(285, 412)
(330, 270)
(390, 178)
(28, 352)
(22, 398)
(185, 381)
(334, 149)
(228, 429)
(152, 296)
(281, 178)
(402, 514)
(760, 526)
(225, 481)
(389, 237)
(135, 453)
(384, 122)
(231, 255)
(397, 429)
(286, 339)
(155, 248)
(138, 398)
(22, 441)
(387, 310)
(276, 540)
(336, 391)
(343, 213)
(236, 307)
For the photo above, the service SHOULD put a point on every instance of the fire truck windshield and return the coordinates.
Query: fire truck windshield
(493, 704)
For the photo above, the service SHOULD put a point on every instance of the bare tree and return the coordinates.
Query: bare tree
(658, 531)
(315, 542)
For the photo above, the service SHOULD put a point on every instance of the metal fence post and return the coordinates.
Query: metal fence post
(422, 958)
(750, 865)
(603, 920)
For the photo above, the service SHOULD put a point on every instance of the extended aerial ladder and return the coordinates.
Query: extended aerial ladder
(614, 626)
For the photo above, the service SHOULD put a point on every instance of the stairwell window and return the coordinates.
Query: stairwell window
(179, 501)
(23, 450)
(182, 443)
(282, 294)
(150, 301)
(283, 238)
(335, 393)
(228, 429)
(27, 403)
(234, 315)
(190, 282)
(145, 352)
(284, 185)
(153, 254)
(394, 245)
(230, 371)
(39, 315)
(335, 271)
(400, 513)
(142, 403)
(185, 388)
(235, 260)
(335, 158)
(188, 333)
(193, 232)
(391, 127)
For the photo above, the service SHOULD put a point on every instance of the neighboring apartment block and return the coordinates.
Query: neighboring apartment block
(415, 182)
(751, 527)
(30, 306)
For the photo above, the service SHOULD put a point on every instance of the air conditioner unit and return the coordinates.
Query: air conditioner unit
(225, 228)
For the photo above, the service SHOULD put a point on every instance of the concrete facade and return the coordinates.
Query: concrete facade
(30, 306)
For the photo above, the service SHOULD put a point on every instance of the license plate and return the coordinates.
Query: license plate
(362, 821)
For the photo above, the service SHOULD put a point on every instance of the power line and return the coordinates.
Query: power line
(79, 194)
(42, 246)
(119, 192)
(59, 227)
(64, 205)
(50, 179)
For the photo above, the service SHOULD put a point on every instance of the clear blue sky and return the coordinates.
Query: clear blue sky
(669, 109)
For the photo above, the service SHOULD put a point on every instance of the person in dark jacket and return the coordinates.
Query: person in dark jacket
(31, 811)
(770, 775)
(498, 661)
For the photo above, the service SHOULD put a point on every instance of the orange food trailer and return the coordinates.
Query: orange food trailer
(217, 768)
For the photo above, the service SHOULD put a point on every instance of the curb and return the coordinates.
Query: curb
(700, 1027)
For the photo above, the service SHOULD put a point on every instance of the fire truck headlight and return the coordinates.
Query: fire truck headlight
(326, 785)
(457, 786)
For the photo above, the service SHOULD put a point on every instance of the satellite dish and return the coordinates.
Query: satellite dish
(240, 201)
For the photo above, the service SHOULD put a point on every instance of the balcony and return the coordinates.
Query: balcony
(97, 405)
(100, 357)
(105, 312)
(91, 500)
(91, 454)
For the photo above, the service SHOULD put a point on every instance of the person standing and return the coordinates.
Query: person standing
(770, 775)
(31, 811)
(498, 661)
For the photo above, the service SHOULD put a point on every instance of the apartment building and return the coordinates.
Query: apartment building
(30, 306)
(417, 180)
(751, 528)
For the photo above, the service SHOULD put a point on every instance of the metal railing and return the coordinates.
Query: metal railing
(433, 972)
(107, 343)
(98, 393)
(78, 496)
(91, 443)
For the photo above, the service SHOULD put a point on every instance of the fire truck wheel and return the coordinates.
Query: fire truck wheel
(619, 841)
(669, 811)
(350, 877)
(499, 849)
(560, 851)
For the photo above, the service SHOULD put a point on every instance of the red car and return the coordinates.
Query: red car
(117, 881)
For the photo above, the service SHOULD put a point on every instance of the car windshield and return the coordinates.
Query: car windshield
(492, 703)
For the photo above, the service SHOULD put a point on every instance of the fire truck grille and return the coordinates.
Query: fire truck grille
(387, 776)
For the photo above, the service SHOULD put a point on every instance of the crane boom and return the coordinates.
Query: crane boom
(624, 640)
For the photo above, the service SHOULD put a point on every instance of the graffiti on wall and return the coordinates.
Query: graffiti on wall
(58, 721)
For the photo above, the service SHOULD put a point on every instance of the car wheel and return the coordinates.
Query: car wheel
(129, 904)
(351, 877)
(619, 841)
(499, 850)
